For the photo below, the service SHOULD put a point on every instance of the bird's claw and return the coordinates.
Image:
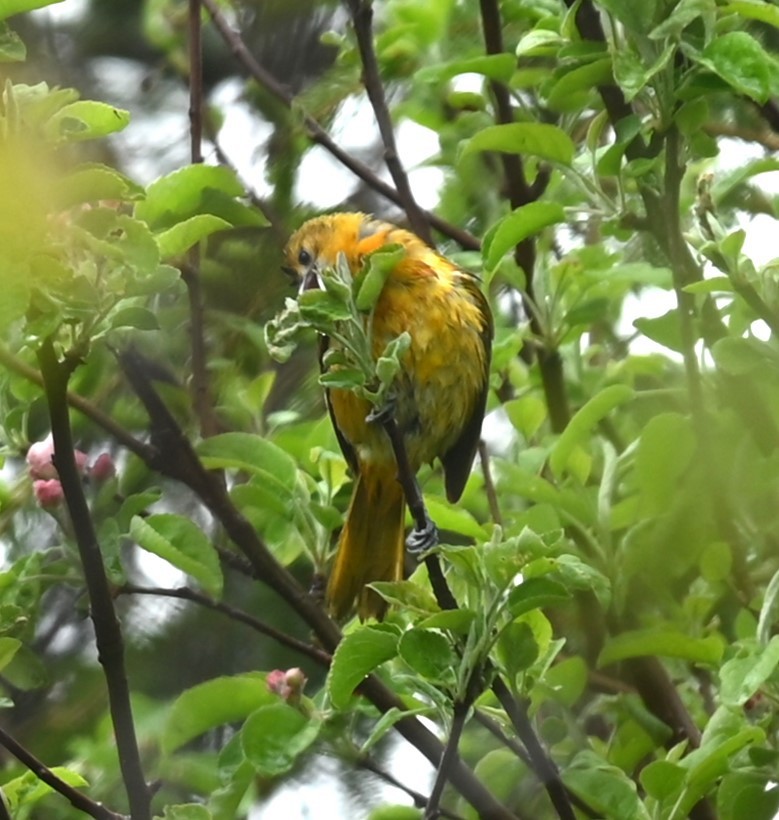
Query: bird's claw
(422, 540)
(382, 414)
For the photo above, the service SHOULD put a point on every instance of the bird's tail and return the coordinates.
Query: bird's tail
(371, 547)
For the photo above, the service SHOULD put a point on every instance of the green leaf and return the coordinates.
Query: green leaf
(769, 611)
(534, 593)
(86, 120)
(740, 60)
(8, 648)
(535, 138)
(181, 237)
(213, 703)
(662, 329)
(521, 223)
(455, 518)
(657, 475)
(495, 66)
(605, 788)
(582, 423)
(275, 736)
(664, 642)
(662, 779)
(741, 677)
(322, 310)
(253, 454)
(740, 357)
(181, 542)
(685, 12)
(12, 48)
(540, 42)
(747, 794)
(185, 193)
(25, 791)
(575, 87)
(429, 654)
(92, 182)
(517, 648)
(754, 10)
(358, 654)
(377, 269)
(10, 7)
(637, 17)
(138, 317)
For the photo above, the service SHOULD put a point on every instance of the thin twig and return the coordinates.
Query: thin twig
(420, 801)
(201, 389)
(489, 484)
(544, 768)
(362, 20)
(108, 633)
(459, 715)
(318, 134)
(319, 656)
(77, 799)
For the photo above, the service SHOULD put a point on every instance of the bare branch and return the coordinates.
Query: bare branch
(319, 656)
(362, 20)
(108, 633)
(77, 799)
(318, 134)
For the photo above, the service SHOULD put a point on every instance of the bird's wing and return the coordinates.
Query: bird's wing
(349, 452)
(457, 460)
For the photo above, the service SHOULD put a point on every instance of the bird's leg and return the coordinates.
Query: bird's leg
(424, 536)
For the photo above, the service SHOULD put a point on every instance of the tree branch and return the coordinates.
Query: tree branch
(108, 634)
(318, 134)
(362, 20)
(76, 798)
(550, 364)
(319, 656)
(450, 754)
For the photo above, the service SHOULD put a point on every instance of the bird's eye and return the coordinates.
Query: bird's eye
(304, 258)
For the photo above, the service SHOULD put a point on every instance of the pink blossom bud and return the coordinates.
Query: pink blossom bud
(103, 468)
(288, 685)
(39, 459)
(48, 492)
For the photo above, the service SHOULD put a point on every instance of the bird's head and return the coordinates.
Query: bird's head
(316, 245)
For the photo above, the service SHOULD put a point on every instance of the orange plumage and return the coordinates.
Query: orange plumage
(439, 394)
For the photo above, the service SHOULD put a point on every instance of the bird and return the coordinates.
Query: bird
(438, 396)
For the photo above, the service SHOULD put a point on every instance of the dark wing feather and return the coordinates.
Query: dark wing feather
(457, 460)
(349, 453)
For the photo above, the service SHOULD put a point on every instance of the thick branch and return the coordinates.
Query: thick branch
(108, 634)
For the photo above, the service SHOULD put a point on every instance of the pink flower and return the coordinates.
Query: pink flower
(39, 459)
(287, 684)
(48, 492)
(103, 468)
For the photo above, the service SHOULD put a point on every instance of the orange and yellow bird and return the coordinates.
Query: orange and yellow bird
(438, 396)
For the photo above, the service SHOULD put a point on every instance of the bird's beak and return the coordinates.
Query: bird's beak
(311, 280)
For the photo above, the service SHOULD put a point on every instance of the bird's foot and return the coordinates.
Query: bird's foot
(422, 540)
(384, 413)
